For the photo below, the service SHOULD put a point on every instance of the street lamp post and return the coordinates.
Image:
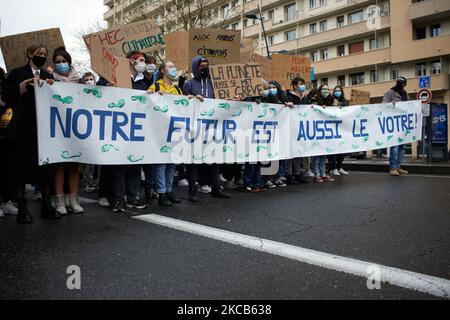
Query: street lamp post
(261, 18)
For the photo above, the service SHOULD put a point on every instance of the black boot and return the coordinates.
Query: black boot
(193, 193)
(291, 180)
(47, 210)
(164, 201)
(173, 198)
(23, 216)
(219, 193)
(301, 179)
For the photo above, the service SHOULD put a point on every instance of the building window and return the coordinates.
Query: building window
(234, 4)
(356, 17)
(374, 76)
(271, 40)
(323, 2)
(435, 30)
(244, 23)
(341, 51)
(421, 69)
(340, 21)
(341, 81)
(323, 25)
(435, 67)
(225, 11)
(314, 56)
(373, 44)
(394, 72)
(235, 26)
(324, 54)
(271, 15)
(289, 12)
(313, 28)
(357, 78)
(356, 47)
(312, 4)
(289, 35)
(324, 81)
(421, 33)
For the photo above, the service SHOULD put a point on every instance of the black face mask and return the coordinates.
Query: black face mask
(39, 61)
(204, 72)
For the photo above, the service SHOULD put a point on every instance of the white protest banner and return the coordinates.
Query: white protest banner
(104, 125)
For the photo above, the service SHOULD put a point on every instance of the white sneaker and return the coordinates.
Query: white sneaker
(335, 172)
(183, 183)
(222, 179)
(103, 202)
(269, 184)
(280, 183)
(205, 189)
(59, 204)
(2, 214)
(343, 172)
(309, 174)
(9, 208)
(74, 205)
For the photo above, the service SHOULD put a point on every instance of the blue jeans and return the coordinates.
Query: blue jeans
(318, 166)
(396, 156)
(163, 175)
(252, 175)
(282, 169)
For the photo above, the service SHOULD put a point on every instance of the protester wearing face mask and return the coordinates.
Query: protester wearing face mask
(137, 69)
(397, 94)
(150, 70)
(200, 87)
(163, 174)
(23, 155)
(324, 99)
(88, 78)
(335, 161)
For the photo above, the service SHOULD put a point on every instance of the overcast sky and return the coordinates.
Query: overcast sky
(71, 16)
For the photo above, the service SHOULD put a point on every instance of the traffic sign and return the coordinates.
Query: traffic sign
(424, 82)
(425, 109)
(424, 96)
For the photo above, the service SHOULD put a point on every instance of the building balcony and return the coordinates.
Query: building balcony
(407, 50)
(429, 10)
(378, 89)
(251, 31)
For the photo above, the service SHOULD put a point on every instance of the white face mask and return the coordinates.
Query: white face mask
(140, 67)
(151, 68)
(90, 82)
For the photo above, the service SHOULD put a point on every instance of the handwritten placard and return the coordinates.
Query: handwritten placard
(287, 67)
(358, 97)
(231, 80)
(145, 36)
(265, 64)
(247, 50)
(14, 47)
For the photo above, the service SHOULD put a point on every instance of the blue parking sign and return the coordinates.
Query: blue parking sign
(424, 82)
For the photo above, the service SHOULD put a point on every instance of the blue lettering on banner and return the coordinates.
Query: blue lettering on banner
(398, 123)
(266, 128)
(319, 130)
(68, 123)
(359, 129)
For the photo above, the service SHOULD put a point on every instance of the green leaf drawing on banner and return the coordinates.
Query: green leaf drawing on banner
(400, 140)
(365, 139)
(95, 92)
(249, 107)
(164, 109)
(333, 117)
(355, 146)
(407, 133)
(198, 158)
(365, 109)
(379, 143)
(341, 143)
(389, 138)
(66, 100)
(242, 156)
(133, 158)
(66, 155)
(414, 138)
(165, 149)
(141, 99)
(227, 148)
(264, 114)
(183, 102)
(208, 113)
(108, 147)
(225, 106)
(119, 105)
(274, 112)
(319, 111)
(304, 114)
(259, 148)
(359, 115)
(329, 150)
(238, 113)
(271, 156)
(379, 114)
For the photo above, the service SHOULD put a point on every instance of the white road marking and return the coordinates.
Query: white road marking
(415, 281)
(411, 175)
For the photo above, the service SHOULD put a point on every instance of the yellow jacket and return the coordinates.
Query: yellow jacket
(161, 86)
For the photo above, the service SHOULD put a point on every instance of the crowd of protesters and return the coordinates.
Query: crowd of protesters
(118, 186)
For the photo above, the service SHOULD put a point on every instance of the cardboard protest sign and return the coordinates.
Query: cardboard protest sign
(145, 36)
(265, 64)
(230, 80)
(358, 97)
(247, 50)
(219, 46)
(14, 47)
(112, 68)
(287, 67)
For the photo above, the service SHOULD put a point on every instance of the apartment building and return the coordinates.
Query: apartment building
(347, 44)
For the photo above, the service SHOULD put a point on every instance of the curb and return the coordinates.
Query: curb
(412, 168)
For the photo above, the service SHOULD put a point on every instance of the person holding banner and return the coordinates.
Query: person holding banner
(23, 156)
(67, 175)
(335, 161)
(164, 174)
(200, 87)
(324, 99)
(397, 94)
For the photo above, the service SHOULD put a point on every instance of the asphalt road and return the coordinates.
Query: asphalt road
(398, 222)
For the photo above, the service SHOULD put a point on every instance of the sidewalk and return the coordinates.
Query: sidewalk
(411, 165)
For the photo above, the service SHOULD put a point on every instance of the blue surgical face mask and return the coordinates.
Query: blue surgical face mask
(273, 92)
(338, 94)
(62, 68)
(302, 88)
(172, 73)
